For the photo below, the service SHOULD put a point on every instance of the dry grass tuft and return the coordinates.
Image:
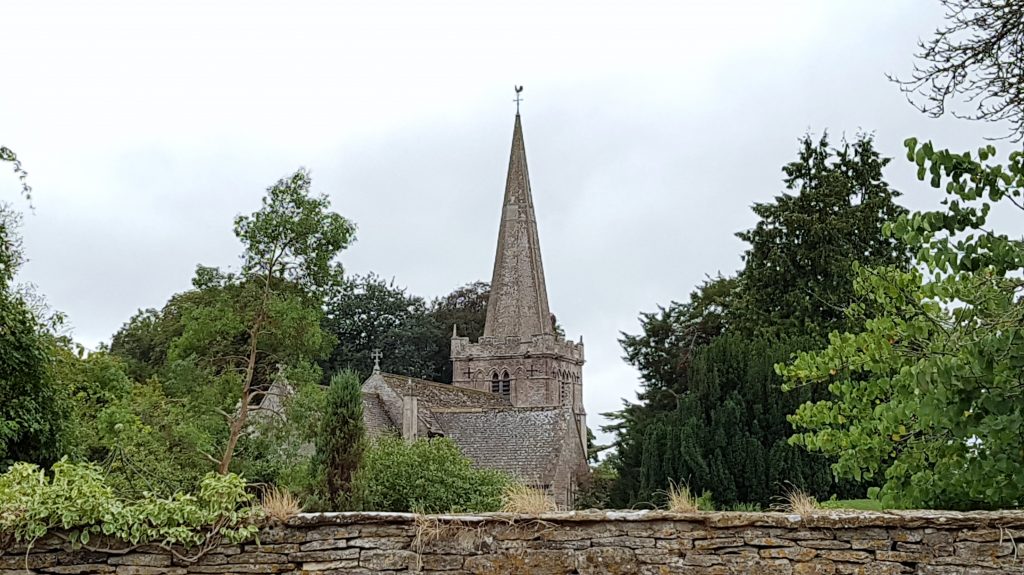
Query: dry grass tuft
(680, 500)
(280, 505)
(522, 499)
(799, 502)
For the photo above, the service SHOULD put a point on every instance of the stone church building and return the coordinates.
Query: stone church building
(516, 399)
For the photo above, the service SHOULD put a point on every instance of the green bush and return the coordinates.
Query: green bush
(76, 498)
(426, 476)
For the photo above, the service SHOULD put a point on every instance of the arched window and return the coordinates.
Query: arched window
(503, 385)
(506, 384)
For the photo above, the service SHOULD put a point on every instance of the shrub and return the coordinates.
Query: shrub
(77, 499)
(426, 476)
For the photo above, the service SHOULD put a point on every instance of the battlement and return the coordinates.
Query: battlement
(544, 345)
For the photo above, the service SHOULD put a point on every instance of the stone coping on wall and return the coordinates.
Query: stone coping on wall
(594, 542)
(825, 518)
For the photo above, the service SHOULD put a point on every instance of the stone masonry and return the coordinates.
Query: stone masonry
(516, 399)
(589, 542)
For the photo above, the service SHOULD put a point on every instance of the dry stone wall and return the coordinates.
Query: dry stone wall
(649, 542)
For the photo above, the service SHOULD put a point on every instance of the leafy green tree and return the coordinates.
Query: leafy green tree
(274, 303)
(8, 155)
(33, 407)
(426, 476)
(143, 341)
(929, 393)
(371, 313)
(94, 382)
(341, 441)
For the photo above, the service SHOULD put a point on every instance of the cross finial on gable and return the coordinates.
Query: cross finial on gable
(376, 355)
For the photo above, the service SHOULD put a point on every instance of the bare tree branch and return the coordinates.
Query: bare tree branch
(978, 57)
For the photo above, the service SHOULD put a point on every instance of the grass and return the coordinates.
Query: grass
(858, 504)
(680, 500)
(519, 498)
(280, 505)
(800, 502)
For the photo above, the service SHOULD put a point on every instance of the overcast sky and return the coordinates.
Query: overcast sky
(650, 127)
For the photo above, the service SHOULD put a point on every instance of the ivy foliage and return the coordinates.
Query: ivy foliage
(425, 476)
(930, 394)
(76, 499)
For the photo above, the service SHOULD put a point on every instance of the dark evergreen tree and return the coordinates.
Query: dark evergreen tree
(798, 272)
(341, 441)
(711, 413)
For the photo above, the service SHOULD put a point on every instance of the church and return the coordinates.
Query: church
(516, 399)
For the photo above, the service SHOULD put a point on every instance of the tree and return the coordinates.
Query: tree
(977, 56)
(371, 313)
(275, 301)
(726, 434)
(143, 341)
(929, 394)
(341, 441)
(798, 274)
(8, 155)
(33, 407)
(709, 410)
(464, 308)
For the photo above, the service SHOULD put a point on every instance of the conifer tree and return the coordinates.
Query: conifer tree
(711, 412)
(341, 441)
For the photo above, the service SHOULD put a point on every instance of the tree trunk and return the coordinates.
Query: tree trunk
(238, 423)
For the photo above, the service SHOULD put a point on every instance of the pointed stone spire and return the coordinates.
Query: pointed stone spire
(518, 304)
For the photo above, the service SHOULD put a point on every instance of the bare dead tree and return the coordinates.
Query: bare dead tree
(978, 57)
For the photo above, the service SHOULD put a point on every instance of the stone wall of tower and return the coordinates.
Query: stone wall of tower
(544, 371)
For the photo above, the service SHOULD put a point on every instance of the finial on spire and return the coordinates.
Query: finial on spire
(519, 90)
(376, 355)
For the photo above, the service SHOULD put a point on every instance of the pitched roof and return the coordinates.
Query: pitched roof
(518, 304)
(377, 420)
(432, 394)
(522, 442)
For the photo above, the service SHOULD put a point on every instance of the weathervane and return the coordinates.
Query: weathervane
(519, 90)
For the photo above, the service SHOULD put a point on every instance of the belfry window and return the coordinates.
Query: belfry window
(503, 385)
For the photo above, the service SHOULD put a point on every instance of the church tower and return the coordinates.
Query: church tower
(519, 355)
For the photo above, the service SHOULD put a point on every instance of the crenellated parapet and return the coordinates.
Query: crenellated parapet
(494, 347)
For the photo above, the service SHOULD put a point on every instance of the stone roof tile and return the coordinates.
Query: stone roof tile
(523, 442)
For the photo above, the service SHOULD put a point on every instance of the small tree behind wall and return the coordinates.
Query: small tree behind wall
(274, 307)
(341, 441)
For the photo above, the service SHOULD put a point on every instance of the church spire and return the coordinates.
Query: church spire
(518, 303)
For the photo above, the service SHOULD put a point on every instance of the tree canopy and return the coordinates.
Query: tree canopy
(711, 413)
(928, 396)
